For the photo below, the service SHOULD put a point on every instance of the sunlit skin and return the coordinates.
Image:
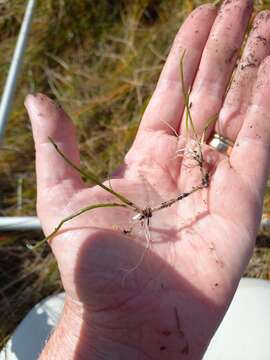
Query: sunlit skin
(169, 304)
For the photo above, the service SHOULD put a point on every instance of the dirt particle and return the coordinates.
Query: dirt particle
(162, 348)
(251, 127)
(262, 39)
(185, 350)
(216, 284)
(250, 4)
(244, 66)
(220, 263)
(231, 56)
(166, 332)
(264, 15)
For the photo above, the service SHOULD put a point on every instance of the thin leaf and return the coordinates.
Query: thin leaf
(186, 95)
(70, 217)
(209, 122)
(92, 177)
(217, 3)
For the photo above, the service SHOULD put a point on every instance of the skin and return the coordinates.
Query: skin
(169, 303)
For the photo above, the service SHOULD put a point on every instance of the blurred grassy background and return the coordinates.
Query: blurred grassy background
(100, 60)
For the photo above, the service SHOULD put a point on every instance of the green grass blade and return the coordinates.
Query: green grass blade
(92, 177)
(217, 3)
(210, 122)
(186, 95)
(186, 98)
(68, 218)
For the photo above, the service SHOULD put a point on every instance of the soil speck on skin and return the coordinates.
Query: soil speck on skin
(166, 333)
(216, 284)
(248, 65)
(220, 263)
(251, 61)
(162, 348)
(162, 286)
(185, 350)
(262, 39)
(264, 15)
(250, 4)
(251, 127)
(232, 55)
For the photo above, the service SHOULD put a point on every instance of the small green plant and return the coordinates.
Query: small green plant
(193, 148)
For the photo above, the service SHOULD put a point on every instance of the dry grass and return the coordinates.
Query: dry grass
(101, 63)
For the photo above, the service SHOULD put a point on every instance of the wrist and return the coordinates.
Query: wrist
(68, 341)
(77, 336)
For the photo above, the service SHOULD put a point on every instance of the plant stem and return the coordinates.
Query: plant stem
(68, 218)
(90, 176)
(186, 98)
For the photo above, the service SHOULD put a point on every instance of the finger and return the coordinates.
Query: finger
(239, 96)
(53, 173)
(218, 61)
(166, 105)
(250, 155)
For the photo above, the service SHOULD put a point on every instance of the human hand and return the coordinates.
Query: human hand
(169, 302)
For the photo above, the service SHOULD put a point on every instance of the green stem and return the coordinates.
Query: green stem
(92, 177)
(186, 98)
(217, 3)
(68, 218)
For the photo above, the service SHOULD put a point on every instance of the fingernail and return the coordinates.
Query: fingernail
(28, 98)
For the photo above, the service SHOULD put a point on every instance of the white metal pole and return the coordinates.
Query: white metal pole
(19, 223)
(15, 67)
(25, 222)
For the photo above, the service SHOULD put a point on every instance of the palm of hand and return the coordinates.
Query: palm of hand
(191, 249)
(200, 245)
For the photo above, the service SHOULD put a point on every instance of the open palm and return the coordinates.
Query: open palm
(168, 298)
